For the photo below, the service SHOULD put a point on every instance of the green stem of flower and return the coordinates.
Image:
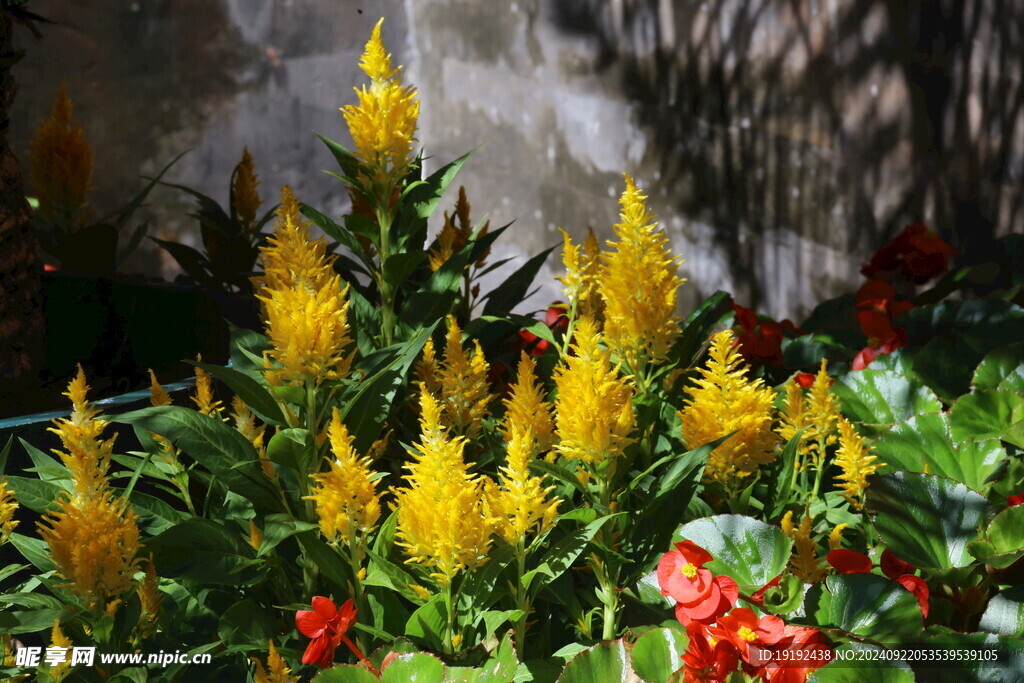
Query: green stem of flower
(355, 559)
(522, 601)
(384, 220)
(449, 631)
(607, 576)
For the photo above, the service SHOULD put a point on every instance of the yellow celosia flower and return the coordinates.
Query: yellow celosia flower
(582, 275)
(725, 401)
(792, 418)
(639, 285)
(61, 163)
(204, 400)
(520, 504)
(276, 671)
(245, 199)
(8, 506)
(93, 542)
(442, 523)
(158, 395)
(804, 561)
(150, 600)
(347, 501)
(86, 456)
(92, 536)
(465, 391)
(427, 369)
(823, 407)
(856, 463)
(291, 257)
(421, 592)
(245, 424)
(526, 409)
(835, 537)
(309, 333)
(57, 639)
(255, 535)
(456, 233)
(383, 123)
(594, 409)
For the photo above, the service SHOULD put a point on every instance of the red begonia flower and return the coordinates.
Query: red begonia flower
(699, 596)
(804, 379)
(917, 255)
(917, 586)
(555, 317)
(742, 628)
(796, 668)
(893, 567)
(707, 663)
(758, 597)
(758, 340)
(849, 561)
(1015, 500)
(326, 625)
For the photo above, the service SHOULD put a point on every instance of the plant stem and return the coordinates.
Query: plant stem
(449, 631)
(522, 602)
(606, 577)
(384, 220)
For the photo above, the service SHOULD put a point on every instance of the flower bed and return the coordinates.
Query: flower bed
(398, 489)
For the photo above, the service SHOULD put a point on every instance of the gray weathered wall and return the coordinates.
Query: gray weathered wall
(781, 141)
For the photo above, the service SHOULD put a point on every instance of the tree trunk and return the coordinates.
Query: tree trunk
(22, 325)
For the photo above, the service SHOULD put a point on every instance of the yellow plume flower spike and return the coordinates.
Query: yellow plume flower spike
(856, 463)
(57, 639)
(61, 163)
(427, 369)
(792, 418)
(150, 599)
(383, 123)
(94, 542)
(8, 506)
(520, 504)
(639, 284)
(346, 498)
(463, 383)
(245, 198)
(276, 671)
(823, 407)
(291, 257)
(591, 303)
(835, 537)
(804, 561)
(85, 454)
(573, 278)
(725, 401)
(442, 521)
(594, 408)
(255, 535)
(527, 410)
(158, 395)
(447, 244)
(203, 398)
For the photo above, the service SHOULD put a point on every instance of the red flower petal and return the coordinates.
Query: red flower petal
(310, 624)
(693, 553)
(893, 567)
(804, 379)
(917, 586)
(849, 561)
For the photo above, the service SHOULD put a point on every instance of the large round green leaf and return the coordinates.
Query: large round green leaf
(999, 366)
(1005, 613)
(1004, 539)
(866, 605)
(849, 669)
(418, 667)
(946, 363)
(604, 662)
(965, 659)
(925, 441)
(883, 397)
(750, 551)
(925, 519)
(997, 414)
(658, 653)
(346, 673)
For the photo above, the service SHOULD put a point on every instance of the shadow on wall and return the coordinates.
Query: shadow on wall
(837, 120)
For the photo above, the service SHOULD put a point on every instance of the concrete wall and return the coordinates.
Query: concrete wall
(780, 141)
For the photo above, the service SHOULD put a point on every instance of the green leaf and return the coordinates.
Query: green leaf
(558, 472)
(1005, 613)
(604, 662)
(288, 449)
(202, 550)
(277, 528)
(259, 400)
(658, 654)
(926, 441)
(502, 665)
(325, 558)
(390, 575)
(503, 298)
(989, 414)
(697, 329)
(345, 673)
(879, 398)
(429, 622)
(246, 622)
(220, 449)
(865, 605)
(1003, 365)
(561, 555)
(750, 551)
(780, 479)
(398, 267)
(34, 550)
(419, 204)
(347, 161)
(925, 519)
(35, 494)
(992, 320)
(155, 515)
(1004, 539)
(365, 407)
(340, 234)
(858, 670)
(955, 665)
(946, 362)
(418, 667)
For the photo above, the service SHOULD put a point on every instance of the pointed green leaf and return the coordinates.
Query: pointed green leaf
(604, 662)
(249, 390)
(658, 654)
